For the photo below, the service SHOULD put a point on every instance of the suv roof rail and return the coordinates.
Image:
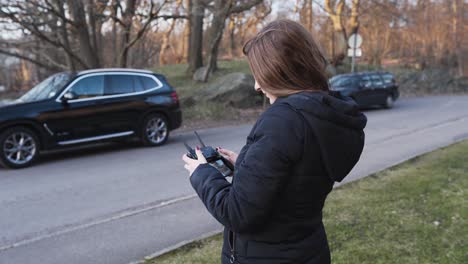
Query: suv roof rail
(351, 74)
(113, 70)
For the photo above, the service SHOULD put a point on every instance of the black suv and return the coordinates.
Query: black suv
(367, 88)
(68, 109)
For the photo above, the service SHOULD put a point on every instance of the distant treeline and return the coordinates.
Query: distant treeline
(47, 36)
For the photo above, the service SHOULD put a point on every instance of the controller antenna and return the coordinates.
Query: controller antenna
(199, 139)
(188, 147)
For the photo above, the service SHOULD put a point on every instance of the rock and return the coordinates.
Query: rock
(199, 73)
(236, 89)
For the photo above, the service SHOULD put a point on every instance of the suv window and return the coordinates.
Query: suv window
(89, 87)
(365, 81)
(376, 81)
(119, 84)
(388, 78)
(126, 83)
(47, 88)
(342, 81)
(147, 82)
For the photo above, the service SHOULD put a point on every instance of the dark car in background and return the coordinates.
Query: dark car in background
(367, 88)
(72, 108)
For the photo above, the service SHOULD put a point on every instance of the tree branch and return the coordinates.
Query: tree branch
(33, 28)
(245, 6)
(151, 18)
(26, 58)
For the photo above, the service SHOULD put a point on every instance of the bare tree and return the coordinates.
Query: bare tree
(354, 20)
(88, 51)
(34, 19)
(339, 46)
(335, 10)
(195, 47)
(247, 22)
(222, 10)
(165, 46)
(457, 9)
(305, 10)
(128, 14)
(74, 29)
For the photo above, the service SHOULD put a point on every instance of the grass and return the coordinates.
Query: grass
(415, 212)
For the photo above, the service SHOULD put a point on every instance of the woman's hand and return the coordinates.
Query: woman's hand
(231, 156)
(192, 164)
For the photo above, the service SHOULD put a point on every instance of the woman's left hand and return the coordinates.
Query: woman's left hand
(192, 164)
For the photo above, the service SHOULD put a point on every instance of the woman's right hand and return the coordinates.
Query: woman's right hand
(231, 156)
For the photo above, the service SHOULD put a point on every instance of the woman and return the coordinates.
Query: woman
(308, 139)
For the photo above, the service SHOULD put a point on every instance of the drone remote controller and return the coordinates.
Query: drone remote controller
(212, 157)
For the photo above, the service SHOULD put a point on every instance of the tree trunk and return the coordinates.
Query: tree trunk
(222, 8)
(196, 15)
(185, 39)
(354, 20)
(232, 37)
(127, 18)
(456, 35)
(78, 13)
(165, 46)
(114, 53)
(305, 13)
(310, 16)
(64, 36)
(93, 28)
(339, 35)
(340, 45)
(184, 47)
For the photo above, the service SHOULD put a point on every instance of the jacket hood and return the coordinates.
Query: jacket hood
(338, 126)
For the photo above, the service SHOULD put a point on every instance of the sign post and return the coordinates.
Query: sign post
(354, 42)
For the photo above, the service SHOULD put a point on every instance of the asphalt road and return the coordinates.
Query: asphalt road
(118, 203)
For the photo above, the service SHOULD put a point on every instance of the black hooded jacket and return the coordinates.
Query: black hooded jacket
(272, 210)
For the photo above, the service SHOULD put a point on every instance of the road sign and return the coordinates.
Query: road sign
(355, 41)
(358, 52)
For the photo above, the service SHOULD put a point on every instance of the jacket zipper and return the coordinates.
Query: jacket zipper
(232, 259)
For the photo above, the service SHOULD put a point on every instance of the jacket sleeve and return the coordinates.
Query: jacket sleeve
(258, 179)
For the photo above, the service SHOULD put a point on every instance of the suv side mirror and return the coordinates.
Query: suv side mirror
(68, 96)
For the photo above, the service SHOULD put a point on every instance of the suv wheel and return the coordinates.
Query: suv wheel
(389, 101)
(155, 130)
(19, 147)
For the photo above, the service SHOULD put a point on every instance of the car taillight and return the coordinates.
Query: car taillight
(174, 97)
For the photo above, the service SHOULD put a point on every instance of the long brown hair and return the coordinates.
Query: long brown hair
(285, 59)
